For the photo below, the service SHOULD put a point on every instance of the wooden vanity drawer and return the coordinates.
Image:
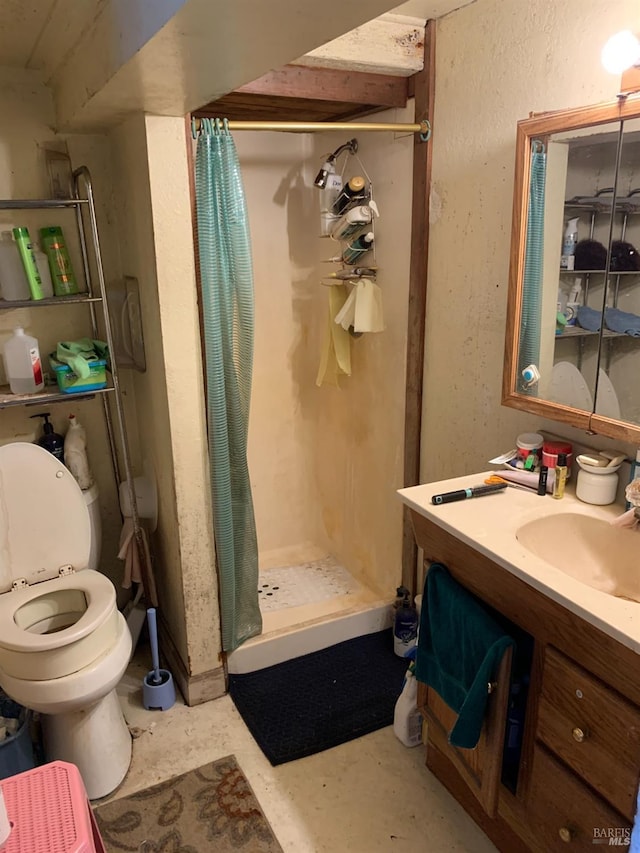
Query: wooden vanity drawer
(564, 813)
(592, 728)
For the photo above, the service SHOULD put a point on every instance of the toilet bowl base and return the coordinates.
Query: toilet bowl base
(96, 739)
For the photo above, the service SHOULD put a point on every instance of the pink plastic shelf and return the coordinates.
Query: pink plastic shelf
(50, 812)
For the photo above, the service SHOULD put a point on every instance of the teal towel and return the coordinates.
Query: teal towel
(78, 354)
(459, 650)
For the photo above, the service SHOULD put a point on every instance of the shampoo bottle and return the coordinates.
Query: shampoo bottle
(561, 476)
(13, 279)
(25, 247)
(328, 195)
(567, 261)
(75, 453)
(573, 303)
(51, 441)
(22, 363)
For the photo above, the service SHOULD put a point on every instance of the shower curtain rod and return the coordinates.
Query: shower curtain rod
(423, 127)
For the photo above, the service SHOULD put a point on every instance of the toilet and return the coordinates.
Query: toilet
(64, 646)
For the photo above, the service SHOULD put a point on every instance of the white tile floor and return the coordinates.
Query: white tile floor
(365, 796)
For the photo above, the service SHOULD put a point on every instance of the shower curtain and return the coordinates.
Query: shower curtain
(227, 296)
(529, 350)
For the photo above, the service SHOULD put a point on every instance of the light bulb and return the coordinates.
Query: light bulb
(620, 52)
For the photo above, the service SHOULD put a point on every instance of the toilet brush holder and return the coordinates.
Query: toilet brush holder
(158, 690)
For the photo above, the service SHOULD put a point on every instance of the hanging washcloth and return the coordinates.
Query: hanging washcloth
(368, 314)
(460, 647)
(78, 354)
(134, 570)
(347, 314)
(335, 360)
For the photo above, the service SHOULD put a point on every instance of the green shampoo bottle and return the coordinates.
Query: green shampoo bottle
(25, 247)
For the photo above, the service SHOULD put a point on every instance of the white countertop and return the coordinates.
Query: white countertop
(489, 525)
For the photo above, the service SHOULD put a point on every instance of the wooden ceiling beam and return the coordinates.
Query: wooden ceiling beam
(325, 84)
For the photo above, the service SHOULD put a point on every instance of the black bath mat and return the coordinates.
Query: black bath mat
(317, 701)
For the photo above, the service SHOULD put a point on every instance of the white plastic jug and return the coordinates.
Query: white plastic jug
(22, 363)
(407, 719)
(13, 279)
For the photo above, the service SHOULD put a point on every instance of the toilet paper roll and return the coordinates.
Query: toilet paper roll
(5, 824)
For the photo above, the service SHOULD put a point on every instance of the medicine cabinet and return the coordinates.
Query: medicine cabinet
(572, 343)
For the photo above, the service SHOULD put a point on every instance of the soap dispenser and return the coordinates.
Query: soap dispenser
(51, 441)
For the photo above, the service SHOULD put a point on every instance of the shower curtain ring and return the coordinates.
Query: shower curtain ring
(425, 133)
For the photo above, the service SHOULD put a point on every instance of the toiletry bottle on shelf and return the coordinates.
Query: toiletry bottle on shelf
(22, 363)
(567, 260)
(13, 279)
(328, 195)
(405, 628)
(353, 220)
(573, 302)
(561, 476)
(25, 247)
(51, 441)
(356, 248)
(352, 191)
(75, 453)
(64, 281)
(42, 262)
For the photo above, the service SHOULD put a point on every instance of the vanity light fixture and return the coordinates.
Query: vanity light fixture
(621, 55)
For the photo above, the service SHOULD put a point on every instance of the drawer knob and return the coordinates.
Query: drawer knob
(578, 735)
(565, 834)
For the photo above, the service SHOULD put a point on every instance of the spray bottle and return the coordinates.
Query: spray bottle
(567, 260)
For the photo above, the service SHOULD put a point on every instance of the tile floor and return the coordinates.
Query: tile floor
(371, 795)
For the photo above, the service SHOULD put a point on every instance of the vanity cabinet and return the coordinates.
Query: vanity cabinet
(580, 760)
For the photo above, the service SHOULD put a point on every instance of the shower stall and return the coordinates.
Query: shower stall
(324, 462)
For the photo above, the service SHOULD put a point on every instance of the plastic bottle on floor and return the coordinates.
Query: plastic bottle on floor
(407, 719)
(405, 627)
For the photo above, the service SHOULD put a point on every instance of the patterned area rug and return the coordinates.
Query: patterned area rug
(211, 808)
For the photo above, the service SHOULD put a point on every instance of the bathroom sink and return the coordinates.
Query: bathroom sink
(588, 549)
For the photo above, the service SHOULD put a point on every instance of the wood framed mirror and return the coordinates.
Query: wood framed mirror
(572, 342)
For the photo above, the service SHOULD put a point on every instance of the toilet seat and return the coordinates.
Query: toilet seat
(26, 654)
(53, 624)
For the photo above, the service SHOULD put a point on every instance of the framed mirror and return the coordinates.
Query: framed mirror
(572, 343)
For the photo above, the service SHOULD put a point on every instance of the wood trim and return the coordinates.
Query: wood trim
(424, 87)
(497, 829)
(481, 767)
(196, 689)
(329, 84)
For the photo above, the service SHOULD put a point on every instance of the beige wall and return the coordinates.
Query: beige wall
(325, 462)
(359, 429)
(153, 211)
(496, 62)
(26, 130)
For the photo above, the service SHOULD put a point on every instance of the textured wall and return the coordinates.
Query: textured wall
(496, 62)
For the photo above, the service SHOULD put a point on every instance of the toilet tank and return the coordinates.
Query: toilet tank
(91, 499)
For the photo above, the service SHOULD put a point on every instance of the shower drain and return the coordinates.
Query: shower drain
(307, 583)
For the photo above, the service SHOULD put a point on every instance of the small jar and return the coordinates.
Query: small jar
(551, 450)
(529, 444)
(597, 486)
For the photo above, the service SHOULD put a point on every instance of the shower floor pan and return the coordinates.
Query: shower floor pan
(306, 607)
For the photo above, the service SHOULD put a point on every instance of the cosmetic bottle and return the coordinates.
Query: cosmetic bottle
(50, 440)
(25, 247)
(561, 476)
(352, 191)
(567, 260)
(356, 248)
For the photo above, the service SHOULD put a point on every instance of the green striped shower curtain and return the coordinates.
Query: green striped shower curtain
(227, 296)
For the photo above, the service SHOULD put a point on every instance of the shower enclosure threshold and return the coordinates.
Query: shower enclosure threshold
(279, 643)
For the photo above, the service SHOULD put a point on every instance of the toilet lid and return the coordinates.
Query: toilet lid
(44, 521)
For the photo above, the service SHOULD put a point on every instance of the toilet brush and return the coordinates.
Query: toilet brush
(158, 691)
